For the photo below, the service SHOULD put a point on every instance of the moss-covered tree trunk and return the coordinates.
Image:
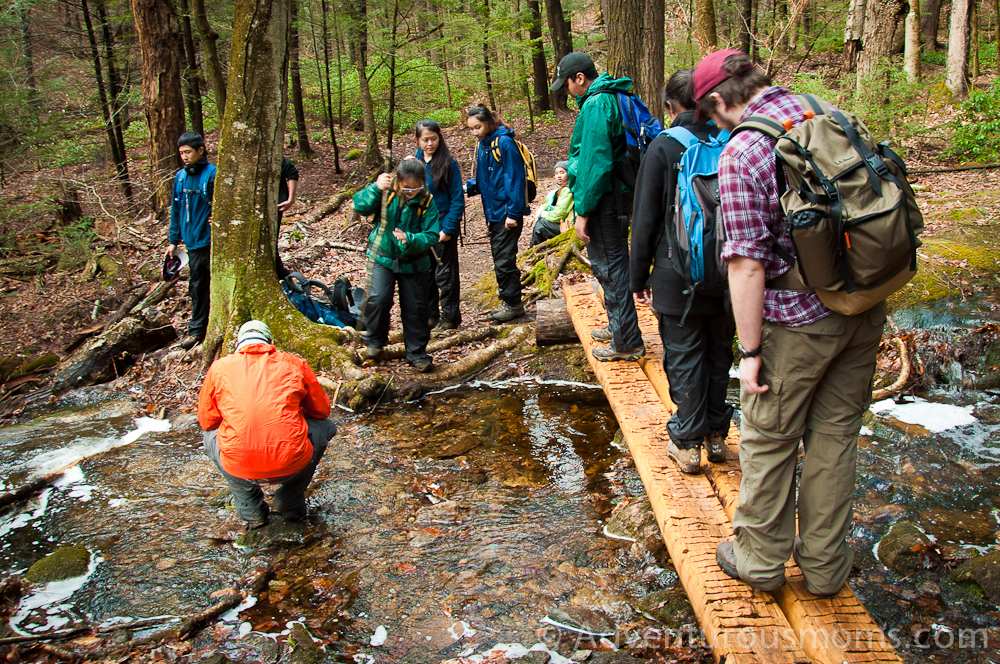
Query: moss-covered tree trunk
(246, 194)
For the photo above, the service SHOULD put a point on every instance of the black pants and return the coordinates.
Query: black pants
(503, 245)
(279, 267)
(608, 252)
(544, 230)
(199, 289)
(697, 357)
(443, 288)
(412, 307)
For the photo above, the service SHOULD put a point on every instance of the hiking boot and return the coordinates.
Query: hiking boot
(190, 341)
(373, 352)
(715, 446)
(446, 324)
(424, 366)
(688, 461)
(607, 353)
(505, 312)
(433, 321)
(725, 556)
(602, 334)
(254, 525)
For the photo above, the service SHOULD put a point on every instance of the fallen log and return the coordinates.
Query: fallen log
(904, 372)
(553, 324)
(479, 358)
(396, 351)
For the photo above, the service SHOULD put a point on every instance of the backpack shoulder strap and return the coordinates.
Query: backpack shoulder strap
(761, 123)
(206, 175)
(682, 135)
(814, 103)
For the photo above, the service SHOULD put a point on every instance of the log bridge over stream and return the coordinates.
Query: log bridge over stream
(695, 513)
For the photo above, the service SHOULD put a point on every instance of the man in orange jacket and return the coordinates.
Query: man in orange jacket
(265, 420)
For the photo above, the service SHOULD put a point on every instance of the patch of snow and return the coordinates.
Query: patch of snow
(865, 431)
(460, 629)
(245, 628)
(734, 372)
(933, 416)
(379, 637)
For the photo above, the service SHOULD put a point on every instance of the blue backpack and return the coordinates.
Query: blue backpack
(641, 127)
(203, 178)
(338, 309)
(694, 227)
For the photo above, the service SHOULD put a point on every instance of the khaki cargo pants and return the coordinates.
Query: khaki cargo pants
(820, 379)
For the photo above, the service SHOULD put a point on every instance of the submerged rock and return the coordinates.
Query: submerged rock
(669, 607)
(635, 521)
(277, 531)
(899, 548)
(580, 620)
(303, 649)
(984, 571)
(65, 562)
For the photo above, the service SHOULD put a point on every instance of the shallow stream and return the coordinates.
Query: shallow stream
(441, 528)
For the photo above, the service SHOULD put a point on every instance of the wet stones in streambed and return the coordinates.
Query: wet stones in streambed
(637, 522)
(302, 648)
(65, 562)
(277, 532)
(580, 620)
(984, 571)
(669, 607)
(900, 549)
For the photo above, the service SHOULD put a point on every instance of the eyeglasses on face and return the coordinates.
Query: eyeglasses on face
(410, 190)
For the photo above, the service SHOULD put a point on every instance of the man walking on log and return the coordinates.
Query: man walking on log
(265, 421)
(603, 204)
(806, 371)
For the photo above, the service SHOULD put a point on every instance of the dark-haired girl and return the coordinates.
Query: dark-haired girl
(696, 328)
(444, 181)
(500, 180)
(399, 253)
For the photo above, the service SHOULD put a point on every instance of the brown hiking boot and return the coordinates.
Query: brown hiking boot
(725, 556)
(715, 446)
(602, 334)
(689, 461)
(607, 353)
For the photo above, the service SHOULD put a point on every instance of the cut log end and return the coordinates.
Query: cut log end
(553, 324)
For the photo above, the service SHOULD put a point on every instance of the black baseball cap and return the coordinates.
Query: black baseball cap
(571, 65)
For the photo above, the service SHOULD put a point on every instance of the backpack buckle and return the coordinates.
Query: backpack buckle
(878, 166)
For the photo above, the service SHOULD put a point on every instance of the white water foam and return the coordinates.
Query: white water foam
(53, 460)
(233, 614)
(11, 522)
(511, 651)
(933, 416)
(51, 597)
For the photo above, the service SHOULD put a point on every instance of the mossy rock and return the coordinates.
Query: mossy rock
(303, 649)
(983, 571)
(277, 532)
(8, 365)
(635, 521)
(895, 549)
(353, 154)
(669, 607)
(65, 562)
(43, 362)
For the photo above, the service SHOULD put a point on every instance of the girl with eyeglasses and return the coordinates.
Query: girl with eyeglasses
(399, 253)
(444, 181)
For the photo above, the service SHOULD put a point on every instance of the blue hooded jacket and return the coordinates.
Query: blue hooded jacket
(501, 183)
(192, 206)
(451, 201)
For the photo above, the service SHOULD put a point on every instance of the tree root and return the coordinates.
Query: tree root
(34, 486)
(479, 358)
(396, 351)
(192, 624)
(904, 372)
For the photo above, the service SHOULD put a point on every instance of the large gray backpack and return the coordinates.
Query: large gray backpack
(848, 207)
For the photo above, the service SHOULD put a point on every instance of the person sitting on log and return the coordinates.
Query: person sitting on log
(190, 210)
(265, 418)
(406, 227)
(554, 217)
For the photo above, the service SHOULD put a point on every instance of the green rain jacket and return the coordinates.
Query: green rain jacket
(598, 142)
(418, 218)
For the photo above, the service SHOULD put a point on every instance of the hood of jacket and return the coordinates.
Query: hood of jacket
(605, 82)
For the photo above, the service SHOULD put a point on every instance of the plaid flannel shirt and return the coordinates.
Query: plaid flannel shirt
(751, 211)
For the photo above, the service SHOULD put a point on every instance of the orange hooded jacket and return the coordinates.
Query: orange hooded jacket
(258, 398)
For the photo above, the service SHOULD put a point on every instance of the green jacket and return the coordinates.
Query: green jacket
(558, 212)
(598, 142)
(418, 218)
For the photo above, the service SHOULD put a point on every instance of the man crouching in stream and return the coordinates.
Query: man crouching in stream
(265, 421)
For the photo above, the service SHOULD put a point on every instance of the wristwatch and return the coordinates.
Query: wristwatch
(744, 353)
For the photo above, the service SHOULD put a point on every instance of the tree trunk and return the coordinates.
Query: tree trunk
(974, 39)
(562, 44)
(326, 62)
(360, 43)
(539, 70)
(911, 52)
(486, 54)
(754, 51)
(245, 209)
(340, 78)
(705, 10)
(391, 119)
(958, 49)
(882, 17)
(191, 78)
(930, 20)
(745, 12)
(323, 92)
(996, 33)
(116, 106)
(162, 101)
(121, 165)
(208, 38)
(651, 76)
(624, 29)
(29, 60)
(305, 150)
